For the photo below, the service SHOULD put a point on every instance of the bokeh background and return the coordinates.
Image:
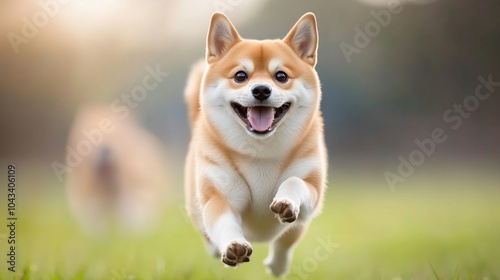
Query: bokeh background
(441, 222)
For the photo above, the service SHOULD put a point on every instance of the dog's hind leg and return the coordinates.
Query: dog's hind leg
(281, 250)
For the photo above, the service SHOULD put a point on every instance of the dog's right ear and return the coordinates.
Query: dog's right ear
(221, 37)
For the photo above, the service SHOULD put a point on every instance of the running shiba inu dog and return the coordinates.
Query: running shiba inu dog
(257, 160)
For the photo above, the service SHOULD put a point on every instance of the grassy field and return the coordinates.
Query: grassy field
(422, 231)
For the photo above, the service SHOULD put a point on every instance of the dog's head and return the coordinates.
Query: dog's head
(261, 87)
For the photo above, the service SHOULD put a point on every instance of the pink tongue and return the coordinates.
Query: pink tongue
(261, 118)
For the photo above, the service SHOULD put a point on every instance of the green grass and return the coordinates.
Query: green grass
(430, 232)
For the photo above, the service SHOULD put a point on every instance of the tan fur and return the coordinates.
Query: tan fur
(192, 91)
(210, 147)
(210, 195)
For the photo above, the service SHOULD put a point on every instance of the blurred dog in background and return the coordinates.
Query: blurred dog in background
(121, 181)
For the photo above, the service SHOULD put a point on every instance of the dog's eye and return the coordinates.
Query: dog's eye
(240, 77)
(281, 77)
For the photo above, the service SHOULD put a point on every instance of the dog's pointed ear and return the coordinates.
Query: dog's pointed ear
(221, 37)
(303, 38)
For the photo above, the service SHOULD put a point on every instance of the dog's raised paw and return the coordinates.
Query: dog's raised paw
(237, 253)
(285, 210)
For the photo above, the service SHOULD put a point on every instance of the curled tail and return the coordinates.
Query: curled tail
(192, 91)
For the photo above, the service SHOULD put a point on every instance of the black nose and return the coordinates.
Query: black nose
(261, 92)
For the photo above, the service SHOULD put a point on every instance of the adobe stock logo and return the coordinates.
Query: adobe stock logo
(30, 28)
(226, 5)
(362, 38)
(320, 253)
(454, 117)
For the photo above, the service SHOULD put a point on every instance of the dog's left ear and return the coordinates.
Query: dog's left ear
(221, 37)
(303, 38)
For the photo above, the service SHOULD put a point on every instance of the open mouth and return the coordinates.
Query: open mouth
(260, 119)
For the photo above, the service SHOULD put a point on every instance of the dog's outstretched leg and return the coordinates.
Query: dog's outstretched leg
(223, 227)
(295, 196)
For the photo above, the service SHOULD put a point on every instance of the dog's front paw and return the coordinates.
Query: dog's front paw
(237, 252)
(285, 210)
